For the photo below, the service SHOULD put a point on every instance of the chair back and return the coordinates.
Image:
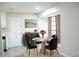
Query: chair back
(53, 44)
(36, 35)
(25, 40)
(28, 40)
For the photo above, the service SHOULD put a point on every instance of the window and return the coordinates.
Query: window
(53, 25)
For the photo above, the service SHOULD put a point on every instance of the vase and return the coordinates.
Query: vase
(42, 35)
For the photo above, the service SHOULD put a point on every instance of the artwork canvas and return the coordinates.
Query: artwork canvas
(30, 23)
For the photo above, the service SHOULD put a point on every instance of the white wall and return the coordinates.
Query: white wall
(69, 28)
(1, 46)
(16, 27)
(43, 25)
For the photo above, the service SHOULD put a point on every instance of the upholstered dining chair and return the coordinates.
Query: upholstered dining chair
(52, 44)
(30, 44)
(37, 36)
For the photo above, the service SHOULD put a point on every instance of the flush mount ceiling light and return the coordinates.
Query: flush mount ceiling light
(11, 8)
(50, 11)
(37, 8)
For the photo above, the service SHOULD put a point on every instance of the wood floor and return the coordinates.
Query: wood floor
(20, 51)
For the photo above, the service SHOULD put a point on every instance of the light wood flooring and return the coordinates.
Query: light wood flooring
(20, 51)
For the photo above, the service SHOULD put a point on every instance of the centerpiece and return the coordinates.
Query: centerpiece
(43, 50)
(42, 32)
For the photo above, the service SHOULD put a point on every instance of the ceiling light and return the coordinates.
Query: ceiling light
(37, 8)
(50, 11)
(11, 8)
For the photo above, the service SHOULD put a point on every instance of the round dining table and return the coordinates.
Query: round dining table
(43, 50)
(44, 42)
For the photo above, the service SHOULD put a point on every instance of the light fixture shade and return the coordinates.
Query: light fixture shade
(37, 8)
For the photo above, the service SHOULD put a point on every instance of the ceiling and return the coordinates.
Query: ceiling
(26, 7)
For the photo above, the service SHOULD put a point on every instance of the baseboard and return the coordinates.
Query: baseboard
(64, 55)
(13, 46)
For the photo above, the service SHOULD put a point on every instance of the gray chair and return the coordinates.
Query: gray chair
(36, 35)
(30, 44)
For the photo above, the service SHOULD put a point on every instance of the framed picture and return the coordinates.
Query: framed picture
(30, 23)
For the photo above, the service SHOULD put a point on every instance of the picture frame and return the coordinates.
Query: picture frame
(30, 23)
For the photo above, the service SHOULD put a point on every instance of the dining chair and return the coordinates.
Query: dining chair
(38, 37)
(52, 44)
(30, 44)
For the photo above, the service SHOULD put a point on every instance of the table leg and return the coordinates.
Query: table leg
(43, 50)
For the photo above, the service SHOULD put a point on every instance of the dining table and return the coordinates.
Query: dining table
(44, 42)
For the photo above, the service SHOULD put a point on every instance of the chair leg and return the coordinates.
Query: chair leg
(37, 51)
(50, 53)
(34, 50)
(57, 52)
(26, 50)
(29, 52)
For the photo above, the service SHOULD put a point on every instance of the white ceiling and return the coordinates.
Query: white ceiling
(26, 7)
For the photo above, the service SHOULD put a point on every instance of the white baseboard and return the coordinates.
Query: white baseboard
(65, 55)
(14, 46)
